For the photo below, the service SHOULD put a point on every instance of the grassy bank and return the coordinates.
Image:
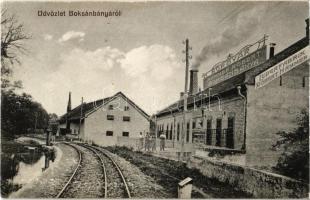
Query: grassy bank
(168, 173)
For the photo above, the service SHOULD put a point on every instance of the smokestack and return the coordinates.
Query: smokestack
(69, 103)
(307, 28)
(271, 52)
(68, 110)
(193, 82)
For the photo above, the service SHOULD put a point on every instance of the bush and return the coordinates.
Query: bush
(294, 161)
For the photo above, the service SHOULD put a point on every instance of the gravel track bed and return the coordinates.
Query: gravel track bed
(140, 185)
(54, 178)
(89, 180)
(116, 187)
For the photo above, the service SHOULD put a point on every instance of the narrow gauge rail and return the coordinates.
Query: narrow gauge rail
(74, 172)
(83, 176)
(117, 186)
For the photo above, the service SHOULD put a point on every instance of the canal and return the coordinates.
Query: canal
(21, 162)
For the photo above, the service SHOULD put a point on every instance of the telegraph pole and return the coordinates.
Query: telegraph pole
(187, 57)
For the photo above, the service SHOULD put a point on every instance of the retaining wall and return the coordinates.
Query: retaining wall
(261, 184)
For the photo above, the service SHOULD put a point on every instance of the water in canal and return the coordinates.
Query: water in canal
(20, 164)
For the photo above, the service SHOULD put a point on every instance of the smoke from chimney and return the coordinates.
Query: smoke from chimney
(240, 28)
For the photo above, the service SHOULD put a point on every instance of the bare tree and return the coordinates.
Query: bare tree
(12, 44)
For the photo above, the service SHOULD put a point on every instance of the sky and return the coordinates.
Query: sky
(139, 52)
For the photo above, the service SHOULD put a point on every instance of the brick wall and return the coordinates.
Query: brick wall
(228, 107)
(271, 109)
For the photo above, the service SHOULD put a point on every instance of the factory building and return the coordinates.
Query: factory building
(246, 99)
(113, 120)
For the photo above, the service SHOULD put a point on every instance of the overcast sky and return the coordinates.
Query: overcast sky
(140, 52)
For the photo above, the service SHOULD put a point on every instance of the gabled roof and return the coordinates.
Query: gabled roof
(89, 108)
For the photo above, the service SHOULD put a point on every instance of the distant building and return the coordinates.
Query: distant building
(235, 114)
(114, 120)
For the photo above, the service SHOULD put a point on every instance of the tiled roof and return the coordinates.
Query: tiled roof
(75, 113)
(88, 108)
(223, 87)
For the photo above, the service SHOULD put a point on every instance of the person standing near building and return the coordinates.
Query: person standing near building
(153, 143)
(140, 142)
(162, 141)
(147, 142)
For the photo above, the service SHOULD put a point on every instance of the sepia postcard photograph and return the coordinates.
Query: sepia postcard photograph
(155, 99)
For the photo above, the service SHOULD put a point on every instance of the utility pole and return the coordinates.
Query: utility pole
(81, 115)
(187, 57)
(35, 122)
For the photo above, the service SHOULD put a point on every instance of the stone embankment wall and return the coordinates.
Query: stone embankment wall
(261, 184)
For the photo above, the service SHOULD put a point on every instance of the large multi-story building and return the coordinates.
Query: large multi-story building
(114, 120)
(245, 101)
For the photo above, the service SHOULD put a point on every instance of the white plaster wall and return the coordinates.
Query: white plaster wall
(96, 124)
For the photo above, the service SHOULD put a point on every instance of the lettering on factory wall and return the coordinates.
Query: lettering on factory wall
(282, 67)
(252, 60)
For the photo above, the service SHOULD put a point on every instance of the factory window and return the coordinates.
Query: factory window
(126, 119)
(178, 132)
(304, 81)
(218, 132)
(194, 125)
(109, 133)
(209, 132)
(110, 117)
(187, 132)
(167, 131)
(125, 134)
(280, 80)
(171, 132)
(126, 108)
(111, 107)
(230, 133)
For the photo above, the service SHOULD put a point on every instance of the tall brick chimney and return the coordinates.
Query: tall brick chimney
(271, 52)
(193, 82)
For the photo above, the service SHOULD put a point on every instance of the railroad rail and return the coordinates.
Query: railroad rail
(115, 165)
(74, 172)
(109, 166)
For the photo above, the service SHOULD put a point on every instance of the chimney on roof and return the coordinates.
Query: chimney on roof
(181, 95)
(271, 51)
(307, 28)
(68, 110)
(69, 103)
(193, 82)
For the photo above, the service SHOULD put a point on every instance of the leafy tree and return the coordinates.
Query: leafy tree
(294, 161)
(20, 113)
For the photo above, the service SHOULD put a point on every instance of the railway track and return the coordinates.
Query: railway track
(89, 180)
(117, 186)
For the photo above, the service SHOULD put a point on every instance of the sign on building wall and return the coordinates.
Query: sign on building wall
(282, 67)
(252, 60)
